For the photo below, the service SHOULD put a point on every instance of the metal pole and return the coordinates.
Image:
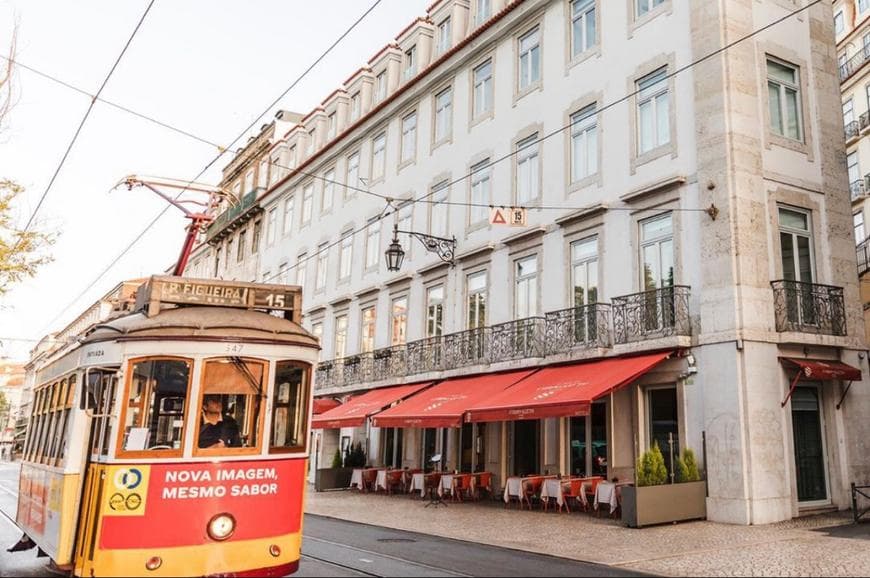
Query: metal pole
(671, 450)
(854, 503)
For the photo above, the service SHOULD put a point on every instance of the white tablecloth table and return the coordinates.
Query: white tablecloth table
(513, 487)
(553, 489)
(356, 479)
(606, 493)
(381, 480)
(446, 484)
(417, 483)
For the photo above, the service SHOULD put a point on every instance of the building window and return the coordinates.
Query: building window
(476, 290)
(381, 87)
(332, 126)
(482, 12)
(482, 89)
(435, 311)
(839, 23)
(530, 59)
(439, 209)
(443, 114)
(409, 137)
(229, 252)
(345, 256)
(274, 169)
(848, 113)
(584, 143)
(584, 271)
(783, 85)
(255, 236)
(379, 156)
(340, 336)
(272, 224)
(657, 252)
(481, 197)
(583, 35)
(291, 157)
(528, 169)
(301, 264)
(237, 190)
(653, 111)
(368, 330)
(663, 422)
(865, 40)
(410, 62)
(283, 274)
(647, 6)
(240, 252)
(853, 170)
(328, 191)
(322, 258)
(400, 321)
(288, 214)
(311, 142)
(263, 174)
(307, 203)
(445, 38)
(858, 226)
(352, 180)
(406, 223)
(355, 105)
(249, 181)
(373, 244)
(526, 290)
(796, 240)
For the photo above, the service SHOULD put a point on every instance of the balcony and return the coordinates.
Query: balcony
(852, 130)
(809, 308)
(390, 362)
(584, 327)
(247, 203)
(520, 339)
(863, 252)
(466, 348)
(857, 188)
(864, 121)
(854, 64)
(651, 315)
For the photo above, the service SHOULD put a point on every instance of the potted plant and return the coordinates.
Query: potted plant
(654, 499)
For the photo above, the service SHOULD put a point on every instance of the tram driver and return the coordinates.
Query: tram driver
(218, 429)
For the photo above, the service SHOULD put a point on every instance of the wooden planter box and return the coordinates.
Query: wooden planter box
(664, 504)
(332, 479)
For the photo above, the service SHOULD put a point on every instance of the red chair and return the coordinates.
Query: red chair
(369, 477)
(395, 479)
(463, 485)
(481, 483)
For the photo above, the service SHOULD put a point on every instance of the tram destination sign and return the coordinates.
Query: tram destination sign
(183, 291)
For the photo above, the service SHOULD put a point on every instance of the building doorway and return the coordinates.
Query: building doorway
(466, 436)
(811, 470)
(526, 441)
(393, 448)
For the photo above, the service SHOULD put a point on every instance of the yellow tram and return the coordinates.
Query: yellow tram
(170, 439)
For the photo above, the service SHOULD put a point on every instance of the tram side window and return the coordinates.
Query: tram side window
(290, 406)
(48, 424)
(65, 406)
(232, 389)
(155, 409)
(33, 427)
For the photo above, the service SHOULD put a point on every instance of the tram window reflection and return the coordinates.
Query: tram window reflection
(290, 406)
(230, 407)
(155, 408)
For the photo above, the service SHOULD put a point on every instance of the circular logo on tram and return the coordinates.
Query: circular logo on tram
(116, 502)
(128, 479)
(133, 502)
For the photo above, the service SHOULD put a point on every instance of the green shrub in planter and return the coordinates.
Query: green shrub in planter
(336, 458)
(692, 472)
(681, 471)
(651, 470)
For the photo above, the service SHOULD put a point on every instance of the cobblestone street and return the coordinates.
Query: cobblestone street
(825, 545)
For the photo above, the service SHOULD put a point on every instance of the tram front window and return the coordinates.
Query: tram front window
(155, 408)
(232, 388)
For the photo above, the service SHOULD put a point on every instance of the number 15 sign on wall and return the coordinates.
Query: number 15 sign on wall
(514, 217)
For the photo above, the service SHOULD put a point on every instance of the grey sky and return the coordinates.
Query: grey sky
(207, 66)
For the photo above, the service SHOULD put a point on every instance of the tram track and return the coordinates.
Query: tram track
(338, 565)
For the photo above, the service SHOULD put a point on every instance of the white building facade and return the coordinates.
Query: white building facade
(702, 210)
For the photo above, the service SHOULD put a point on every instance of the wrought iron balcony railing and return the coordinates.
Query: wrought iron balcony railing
(219, 224)
(520, 339)
(390, 362)
(809, 308)
(856, 189)
(854, 64)
(425, 355)
(864, 121)
(651, 314)
(863, 253)
(853, 130)
(581, 327)
(466, 348)
(356, 368)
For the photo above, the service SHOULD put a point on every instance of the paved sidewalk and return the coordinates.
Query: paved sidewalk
(817, 546)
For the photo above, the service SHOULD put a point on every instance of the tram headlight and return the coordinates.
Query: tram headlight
(275, 550)
(154, 563)
(221, 527)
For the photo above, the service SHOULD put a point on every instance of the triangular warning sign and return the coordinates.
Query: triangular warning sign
(498, 218)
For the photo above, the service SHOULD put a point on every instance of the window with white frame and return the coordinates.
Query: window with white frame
(657, 252)
(274, 168)
(839, 23)
(528, 169)
(406, 223)
(848, 113)
(853, 169)
(435, 311)
(345, 256)
(445, 36)
(289, 203)
(858, 227)
(352, 179)
(284, 274)
(783, 85)
(373, 243)
(332, 126)
(865, 40)
(291, 157)
(796, 245)
(443, 114)
(646, 6)
(529, 59)
(263, 174)
(481, 193)
(355, 105)
(307, 203)
(584, 271)
(482, 11)
(311, 142)
(328, 191)
(249, 181)
(237, 190)
(526, 288)
(317, 331)
(841, 62)
(476, 289)
(300, 268)
(255, 236)
(653, 111)
(438, 209)
(240, 252)
(399, 322)
(409, 137)
(379, 156)
(322, 261)
(410, 62)
(584, 143)
(340, 336)
(369, 323)
(272, 224)
(483, 87)
(381, 86)
(583, 26)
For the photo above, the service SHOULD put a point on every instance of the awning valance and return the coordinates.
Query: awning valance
(820, 370)
(354, 412)
(444, 404)
(324, 404)
(563, 391)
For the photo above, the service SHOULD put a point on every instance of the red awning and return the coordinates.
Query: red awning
(563, 391)
(444, 404)
(324, 404)
(354, 412)
(825, 370)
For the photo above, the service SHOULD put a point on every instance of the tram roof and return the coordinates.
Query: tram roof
(203, 324)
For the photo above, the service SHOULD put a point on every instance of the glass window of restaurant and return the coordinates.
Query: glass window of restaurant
(662, 419)
(230, 404)
(588, 442)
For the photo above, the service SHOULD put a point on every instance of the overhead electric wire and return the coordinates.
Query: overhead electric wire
(154, 221)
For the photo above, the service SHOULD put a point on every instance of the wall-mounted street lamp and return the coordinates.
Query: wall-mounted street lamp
(445, 248)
